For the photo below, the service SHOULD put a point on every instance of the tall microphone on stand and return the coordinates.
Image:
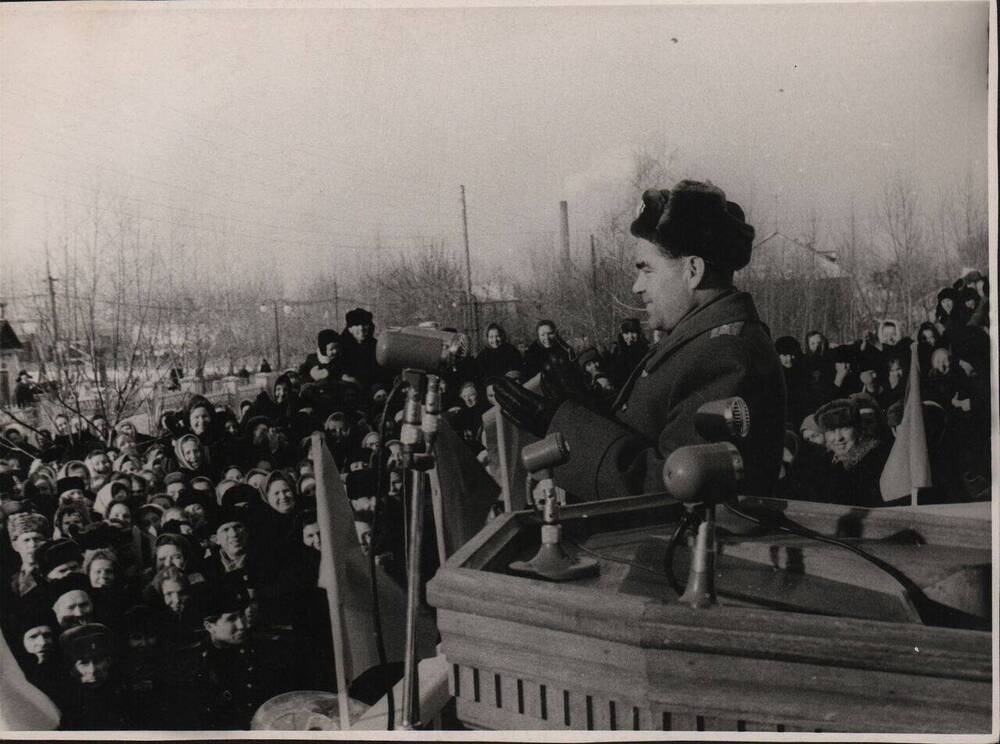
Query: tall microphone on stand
(701, 475)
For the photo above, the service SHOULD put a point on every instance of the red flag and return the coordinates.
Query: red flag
(908, 467)
(24, 707)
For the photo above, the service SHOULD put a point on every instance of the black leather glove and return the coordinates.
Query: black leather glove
(526, 409)
(562, 379)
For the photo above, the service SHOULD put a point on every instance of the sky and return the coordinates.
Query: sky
(312, 140)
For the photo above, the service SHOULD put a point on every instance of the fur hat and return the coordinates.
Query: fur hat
(69, 483)
(54, 554)
(788, 345)
(326, 336)
(25, 522)
(695, 219)
(837, 413)
(358, 316)
(631, 325)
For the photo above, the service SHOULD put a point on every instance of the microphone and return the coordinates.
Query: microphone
(726, 419)
(540, 457)
(425, 349)
(704, 472)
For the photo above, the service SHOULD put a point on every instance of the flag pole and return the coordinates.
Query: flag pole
(333, 600)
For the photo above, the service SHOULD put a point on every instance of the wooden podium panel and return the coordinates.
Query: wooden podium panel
(841, 652)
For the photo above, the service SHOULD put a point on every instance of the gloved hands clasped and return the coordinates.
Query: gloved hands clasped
(562, 379)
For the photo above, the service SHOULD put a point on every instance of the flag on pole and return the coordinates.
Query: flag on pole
(23, 707)
(908, 467)
(344, 574)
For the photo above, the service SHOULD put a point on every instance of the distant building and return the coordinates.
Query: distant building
(797, 287)
(11, 350)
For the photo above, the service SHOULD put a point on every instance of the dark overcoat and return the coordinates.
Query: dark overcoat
(719, 349)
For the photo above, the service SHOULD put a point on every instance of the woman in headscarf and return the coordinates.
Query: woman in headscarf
(629, 349)
(547, 348)
(498, 357)
(790, 356)
(192, 458)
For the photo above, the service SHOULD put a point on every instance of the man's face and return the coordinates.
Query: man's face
(895, 374)
(232, 538)
(73, 608)
(331, 350)
(941, 362)
(260, 433)
(174, 595)
(470, 397)
(842, 367)
(39, 642)
(840, 440)
(196, 514)
(360, 332)
(174, 490)
(127, 429)
(630, 337)
(62, 425)
(546, 336)
(311, 536)
(26, 544)
(170, 555)
(100, 464)
(888, 334)
(947, 304)
(102, 573)
(119, 516)
(814, 342)
(201, 419)
(816, 437)
(663, 285)
(928, 336)
(63, 570)
(92, 671)
(493, 338)
(192, 453)
(228, 629)
(281, 393)
(339, 430)
(868, 379)
(786, 360)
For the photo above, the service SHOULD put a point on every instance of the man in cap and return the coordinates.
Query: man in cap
(37, 631)
(235, 669)
(691, 240)
(93, 698)
(59, 558)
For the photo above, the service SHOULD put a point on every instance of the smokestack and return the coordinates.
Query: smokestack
(564, 230)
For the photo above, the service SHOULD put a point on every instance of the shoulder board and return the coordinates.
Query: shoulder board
(728, 329)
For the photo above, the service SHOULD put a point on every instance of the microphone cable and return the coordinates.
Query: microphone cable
(372, 567)
(930, 611)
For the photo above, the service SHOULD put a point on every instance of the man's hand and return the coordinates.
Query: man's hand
(563, 379)
(528, 410)
(964, 405)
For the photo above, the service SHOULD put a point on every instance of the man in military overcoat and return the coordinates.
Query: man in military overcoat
(691, 240)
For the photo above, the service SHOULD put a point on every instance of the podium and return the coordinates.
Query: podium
(806, 637)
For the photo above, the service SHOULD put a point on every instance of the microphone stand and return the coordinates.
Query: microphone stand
(417, 435)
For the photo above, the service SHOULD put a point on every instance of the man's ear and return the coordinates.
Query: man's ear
(207, 625)
(694, 271)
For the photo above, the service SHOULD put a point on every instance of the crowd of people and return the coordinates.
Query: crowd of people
(168, 579)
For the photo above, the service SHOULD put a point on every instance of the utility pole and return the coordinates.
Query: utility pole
(564, 230)
(55, 321)
(593, 264)
(336, 305)
(473, 310)
(277, 335)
